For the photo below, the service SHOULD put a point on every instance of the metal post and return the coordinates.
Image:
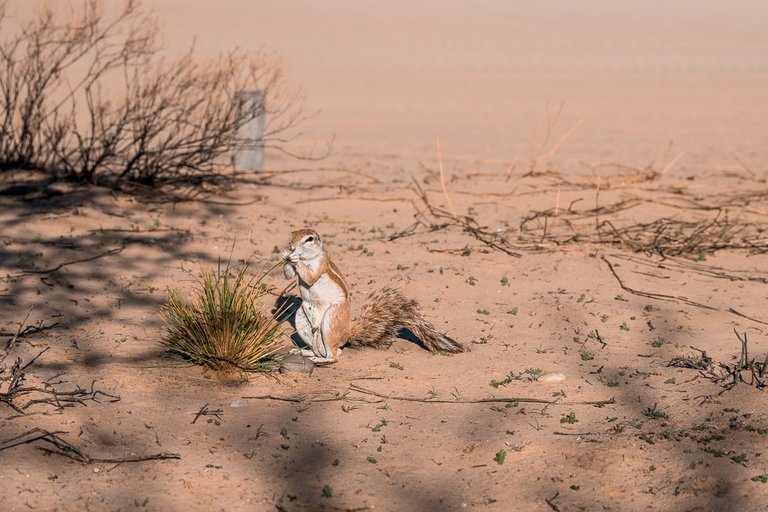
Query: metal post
(249, 150)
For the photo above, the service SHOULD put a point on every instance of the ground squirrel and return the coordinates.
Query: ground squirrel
(323, 320)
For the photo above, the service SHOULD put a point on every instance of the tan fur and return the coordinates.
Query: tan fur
(323, 321)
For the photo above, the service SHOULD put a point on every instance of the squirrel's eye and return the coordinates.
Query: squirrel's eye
(311, 239)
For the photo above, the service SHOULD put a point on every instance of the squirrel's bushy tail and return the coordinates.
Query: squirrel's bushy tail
(387, 311)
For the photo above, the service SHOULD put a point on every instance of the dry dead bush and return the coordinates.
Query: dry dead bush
(85, 95)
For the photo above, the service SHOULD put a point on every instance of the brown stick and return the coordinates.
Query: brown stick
(651, 295)
(65, 449)
(110, 252)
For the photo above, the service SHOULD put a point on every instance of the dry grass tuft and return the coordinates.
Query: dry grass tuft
(223, 325)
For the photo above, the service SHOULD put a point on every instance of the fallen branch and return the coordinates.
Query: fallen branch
(651, 295)
(65, 449)
(204, 411)
(58, 267)
(383, 396)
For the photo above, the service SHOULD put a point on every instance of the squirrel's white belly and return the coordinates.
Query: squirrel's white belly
(323, 294)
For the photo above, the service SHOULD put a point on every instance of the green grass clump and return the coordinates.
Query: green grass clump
(222, 325)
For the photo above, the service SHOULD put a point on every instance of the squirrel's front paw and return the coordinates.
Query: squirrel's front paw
(289, 271)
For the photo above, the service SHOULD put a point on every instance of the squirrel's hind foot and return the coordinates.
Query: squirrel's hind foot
(322, 360)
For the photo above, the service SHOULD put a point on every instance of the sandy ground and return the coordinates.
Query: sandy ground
(623, 431)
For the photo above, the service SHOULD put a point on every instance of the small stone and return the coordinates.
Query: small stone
(296, 363)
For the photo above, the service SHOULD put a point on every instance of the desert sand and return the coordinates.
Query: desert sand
(664, 125)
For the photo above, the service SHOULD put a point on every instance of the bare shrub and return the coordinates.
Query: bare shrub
(167, 120)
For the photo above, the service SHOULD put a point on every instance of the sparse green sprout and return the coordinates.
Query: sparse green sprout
(569, 418)
(480, 341)
(223, 326)
(586, 355)
(658, 341)
(670, 381)
(471, 281)
(760, 478)
(653, 413)
(624, 326)
(533, 371)
(381, 423)
(275, 250)
(648, 308)
(327, 491)
(620, 298)
(504, 281)
(702, 256)
(483, 312)
(371, 459)
(575, 487)
(396, 366)
(509, 378)
(739, 459)
(581, 298)
(500, 456)
(513, 311)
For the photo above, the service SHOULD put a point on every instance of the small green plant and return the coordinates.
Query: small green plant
(658, 341)
(670, 381)
(581, 298)
(620, 298)
(714, 452)
(500, 456)
(760, 478)
(506, 380)
(504, 281)
(483, 312)
(371, 459)
(327, 491)
(471, 281)
(223, 325)
(575, 487)
(569, 418)
(624, 326)
(586, 355)
(480, 341)
(513, 311)
(381, 423)
(396, 366)
(533, 371)
(739, 459)
(654, 413)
